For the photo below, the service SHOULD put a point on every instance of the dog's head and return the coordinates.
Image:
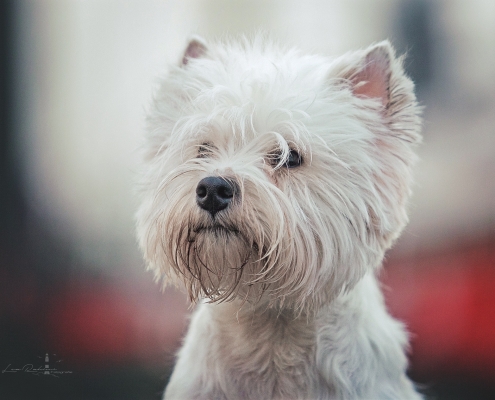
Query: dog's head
(274, 175)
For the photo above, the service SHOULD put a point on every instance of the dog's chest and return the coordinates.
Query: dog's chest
(267, 354)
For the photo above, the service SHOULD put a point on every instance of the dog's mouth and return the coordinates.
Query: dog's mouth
(216, 230)
(223, 234)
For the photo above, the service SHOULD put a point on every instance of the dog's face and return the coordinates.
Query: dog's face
(272, 176)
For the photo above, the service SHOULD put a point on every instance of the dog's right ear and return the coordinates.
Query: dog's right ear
(196, 48)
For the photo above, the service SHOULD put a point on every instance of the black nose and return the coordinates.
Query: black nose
(214, 194)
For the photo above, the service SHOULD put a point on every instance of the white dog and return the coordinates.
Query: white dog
(274, 183)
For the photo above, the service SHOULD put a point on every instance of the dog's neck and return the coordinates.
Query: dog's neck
(293, 327)
(251, 316)
(265, 309)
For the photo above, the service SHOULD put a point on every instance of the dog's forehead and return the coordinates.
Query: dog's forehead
(268, 74)
(254, 91)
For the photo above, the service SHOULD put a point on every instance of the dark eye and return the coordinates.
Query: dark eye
(294, 159)
(204, 150)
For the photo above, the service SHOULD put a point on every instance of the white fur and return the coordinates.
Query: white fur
(292, 309)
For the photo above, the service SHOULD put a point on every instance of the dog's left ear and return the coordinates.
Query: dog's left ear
(196, 48)
(372, 77)
(376, 73)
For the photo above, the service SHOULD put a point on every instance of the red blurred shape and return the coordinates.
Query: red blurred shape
(447, 301)
(115, 322)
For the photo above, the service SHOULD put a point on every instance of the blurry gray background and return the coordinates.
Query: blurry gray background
(78, 76)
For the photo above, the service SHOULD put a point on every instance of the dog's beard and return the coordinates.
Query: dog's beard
(251, 251)
(219, 260)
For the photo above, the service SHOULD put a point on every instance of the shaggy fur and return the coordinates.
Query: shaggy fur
(318, 154)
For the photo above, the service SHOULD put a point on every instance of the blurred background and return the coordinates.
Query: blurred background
(76, 78)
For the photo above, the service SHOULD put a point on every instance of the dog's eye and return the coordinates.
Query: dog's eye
(294, 159)
(204, 150)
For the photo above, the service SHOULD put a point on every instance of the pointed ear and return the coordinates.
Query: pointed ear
(376, 73)
(372, 78)
(196, 48)
(371, 73)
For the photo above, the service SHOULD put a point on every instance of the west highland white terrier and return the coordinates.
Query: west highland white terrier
(274, 182)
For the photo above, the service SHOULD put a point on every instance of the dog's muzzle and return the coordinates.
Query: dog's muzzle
(214, 194)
